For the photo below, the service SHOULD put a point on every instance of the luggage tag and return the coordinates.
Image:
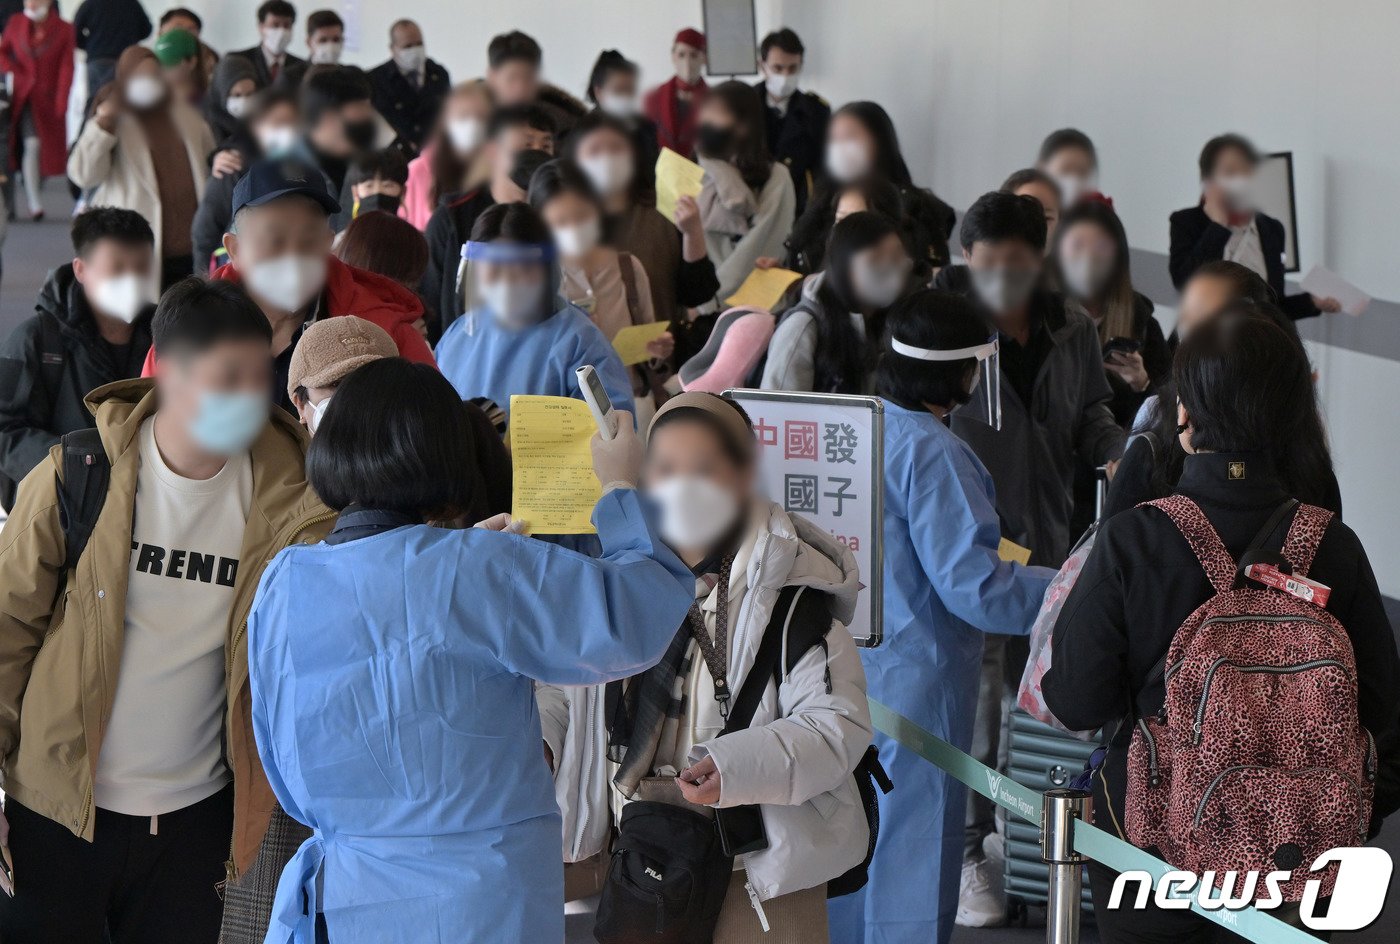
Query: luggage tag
(1300, 587)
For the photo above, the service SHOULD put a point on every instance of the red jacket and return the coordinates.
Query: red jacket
(43, 76)
(671, 131)
(352, 291)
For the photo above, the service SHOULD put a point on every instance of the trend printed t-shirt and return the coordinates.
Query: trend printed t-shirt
(163, 749)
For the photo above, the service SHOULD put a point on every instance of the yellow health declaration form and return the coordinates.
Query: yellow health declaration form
(553, 481)
(676, 177)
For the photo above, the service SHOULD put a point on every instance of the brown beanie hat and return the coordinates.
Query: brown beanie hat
(330, 349)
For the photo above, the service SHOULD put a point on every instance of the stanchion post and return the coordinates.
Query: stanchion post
(1061, 807)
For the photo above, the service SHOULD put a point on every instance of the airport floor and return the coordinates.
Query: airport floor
(31, 249)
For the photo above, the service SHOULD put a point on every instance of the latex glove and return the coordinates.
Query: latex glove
(502, 522)
(618, 461)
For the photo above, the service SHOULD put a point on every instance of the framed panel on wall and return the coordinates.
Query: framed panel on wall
(1275, 196)
(731, 37)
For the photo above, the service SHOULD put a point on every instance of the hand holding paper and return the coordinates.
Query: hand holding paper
(763, 288)
(554, 486)
(1013, 553)
(1324, 283)
(676, 177)
(632, 341)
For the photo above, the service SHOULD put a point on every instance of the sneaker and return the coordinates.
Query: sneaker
(981, 899)
(994, 850)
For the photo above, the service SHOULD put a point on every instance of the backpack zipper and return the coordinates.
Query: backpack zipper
(1154, 776)
(1264, 669)
(1260, 618)
(1205, 797)
(1369, 762)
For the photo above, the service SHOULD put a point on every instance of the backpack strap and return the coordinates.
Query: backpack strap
(1205, 542)
(800, 621)
(82, 491)
(1304, 535)
(629, 286)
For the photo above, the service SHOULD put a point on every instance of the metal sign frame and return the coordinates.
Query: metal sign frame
(875, 583)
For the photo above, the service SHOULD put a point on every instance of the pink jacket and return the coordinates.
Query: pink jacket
(416, 206)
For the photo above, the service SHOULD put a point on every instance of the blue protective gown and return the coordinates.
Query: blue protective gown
(496, 362)
(944, 586)
(395, 715)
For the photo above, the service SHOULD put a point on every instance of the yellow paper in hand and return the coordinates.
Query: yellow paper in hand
(763, 288)
(676, 177)
(631, 342)
(1013, 553)
(553, 481)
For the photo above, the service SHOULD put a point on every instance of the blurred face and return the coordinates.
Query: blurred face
(1202, 299)
(276, 33)
(206, 394)
(108, 259)
(688, 62)
(619, 85)
(377, 186)
(782, 63)
(1004, 274)
(514, 294)
(608, 160)
(1070, 162)
(286, 227)
(311, 408)
(716, 114)
(850, 149)
(879, 273)
(850, 201)
(37, 9)
(347, 130)
(277, 127)
(465, 105)
(514, 82)
(243, 88)
(326, 44)
(701, 491)
(508, 144)
(575, 222)
(1088, 258)
(1048, 199)
(1232, 180)
(181, 23)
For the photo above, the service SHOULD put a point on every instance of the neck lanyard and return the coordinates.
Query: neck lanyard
(715, 649)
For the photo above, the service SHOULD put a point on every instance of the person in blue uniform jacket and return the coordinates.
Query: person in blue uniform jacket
(944, 586)
(519, 336)
(392, 666)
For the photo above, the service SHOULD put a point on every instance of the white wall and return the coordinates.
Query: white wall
(975, 84)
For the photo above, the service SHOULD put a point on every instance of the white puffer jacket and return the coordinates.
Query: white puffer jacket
(795, 759)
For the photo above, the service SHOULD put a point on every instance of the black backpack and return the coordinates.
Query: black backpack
(82, 490)
(52, 357)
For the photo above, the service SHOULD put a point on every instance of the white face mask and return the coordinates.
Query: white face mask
(847, 160)
(276, 39)
(318, 411)
(610, 173)
(1086, 275)
(38, 14)
(122, 296)
(877, 285)
(288, 282)
(144, 91)
(576, 241)
(695, 512)
(327, 53)
(781, 87)
(410, 58)
(1239, 191)
(466, 134)
(1072, 187)
(619, 106)
(277, 139)
(513, 305)
(688, 72)
(237, 105)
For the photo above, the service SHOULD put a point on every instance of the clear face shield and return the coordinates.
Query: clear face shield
(985, 402)
(514, 284)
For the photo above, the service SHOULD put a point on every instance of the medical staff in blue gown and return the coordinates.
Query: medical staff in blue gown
(392, 670)
(519, 336)
(944, 586)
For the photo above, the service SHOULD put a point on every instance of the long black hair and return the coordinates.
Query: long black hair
(1119, 300)
(750, 155)
(844, 358)
(889, 160)
(1247, 387)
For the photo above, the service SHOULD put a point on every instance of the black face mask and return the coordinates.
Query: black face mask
(714, 142)
(380, 201)
(361, 134)
(526, 163)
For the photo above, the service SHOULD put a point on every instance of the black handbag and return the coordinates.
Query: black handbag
(667, 879)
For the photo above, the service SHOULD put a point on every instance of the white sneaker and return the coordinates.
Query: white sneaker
(981, 898)
(994, 850)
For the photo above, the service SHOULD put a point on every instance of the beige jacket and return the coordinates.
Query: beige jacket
(119, 166)
(59, 657)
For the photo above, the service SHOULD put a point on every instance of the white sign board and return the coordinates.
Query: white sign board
(822, 456)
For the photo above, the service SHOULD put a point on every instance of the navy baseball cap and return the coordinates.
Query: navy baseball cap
(275, 177)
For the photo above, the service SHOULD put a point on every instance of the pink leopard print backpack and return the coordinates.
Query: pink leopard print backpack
(1257, 761)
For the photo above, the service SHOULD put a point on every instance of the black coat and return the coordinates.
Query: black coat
(289, 77)
(797, 138)
(1142, 581)
(1197, 239)
(412, 112)
(450, 227)
(106, 27)
(34, 415)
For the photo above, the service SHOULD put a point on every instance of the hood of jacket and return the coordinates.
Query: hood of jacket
(554, 96)
(794, 552)
(353, 291)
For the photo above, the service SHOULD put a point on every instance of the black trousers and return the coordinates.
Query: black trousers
(1153, 925)
(127, 886)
